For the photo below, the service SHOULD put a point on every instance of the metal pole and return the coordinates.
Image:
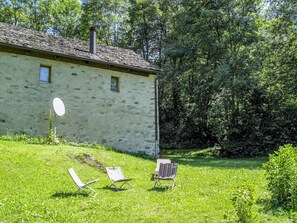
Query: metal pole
(157, 131)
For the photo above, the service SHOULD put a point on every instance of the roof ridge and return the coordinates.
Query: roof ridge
(59, 36)
(74, 47)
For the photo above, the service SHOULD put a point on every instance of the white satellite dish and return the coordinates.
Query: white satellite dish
(59, 106)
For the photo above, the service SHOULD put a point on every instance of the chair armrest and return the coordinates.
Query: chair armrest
(91, 182)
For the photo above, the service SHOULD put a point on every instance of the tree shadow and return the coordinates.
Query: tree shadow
(219, 163)
(67, 194)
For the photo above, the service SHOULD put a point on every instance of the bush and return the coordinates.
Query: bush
(243, 202)
(281, 173)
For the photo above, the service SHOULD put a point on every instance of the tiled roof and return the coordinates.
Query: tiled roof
(35, 40)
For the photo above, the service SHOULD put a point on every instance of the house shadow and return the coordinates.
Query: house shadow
(67, 194)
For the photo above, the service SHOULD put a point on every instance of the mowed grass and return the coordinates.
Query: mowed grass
(35, 187)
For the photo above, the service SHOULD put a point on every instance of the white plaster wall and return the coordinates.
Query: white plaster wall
(124, 120)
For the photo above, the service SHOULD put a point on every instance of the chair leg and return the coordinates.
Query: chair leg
(84, 191)
(159, 182)
(130, 185)
(127, 182)
(173, 183)
(156, 182)
(123, 184)
(77, 191)
(93, 191)
(113, 185)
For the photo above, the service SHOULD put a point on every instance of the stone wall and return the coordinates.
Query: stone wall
(124, 120)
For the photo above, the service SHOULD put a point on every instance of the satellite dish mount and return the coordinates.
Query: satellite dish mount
(59, 109)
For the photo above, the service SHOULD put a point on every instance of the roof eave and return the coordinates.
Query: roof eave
(154, 71)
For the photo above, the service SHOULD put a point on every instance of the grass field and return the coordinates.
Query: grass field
(35, 187)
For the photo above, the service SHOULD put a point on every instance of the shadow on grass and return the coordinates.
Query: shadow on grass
(202, 159)
(66, 195)
(269, 207)
(160, 189)
(115, 190)
(216, 162)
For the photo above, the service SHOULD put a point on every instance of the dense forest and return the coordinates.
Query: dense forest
(229, 67)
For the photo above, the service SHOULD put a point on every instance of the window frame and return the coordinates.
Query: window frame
(48, 75)
(115, 87)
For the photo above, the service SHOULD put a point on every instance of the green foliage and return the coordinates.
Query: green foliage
(15, 137)
(243, 202)
(230, 77)
(109, 17)
(143, 20)
(4, 11)
(293, 216)
(24, 138)
(60, 17)
(38, 14)
(66, 18)
(210, 75)
(281, 173)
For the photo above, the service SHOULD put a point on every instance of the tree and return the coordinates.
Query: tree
(212, 49)
(281, 63)
(143, 24)
(66, 17)
(34, 14)
(5, 12)
(13, 11)
(38, 14)
(107, 16)
(279, 75)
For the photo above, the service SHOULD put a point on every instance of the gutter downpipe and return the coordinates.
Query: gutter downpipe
(157, 131)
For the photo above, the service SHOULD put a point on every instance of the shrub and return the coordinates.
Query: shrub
(293, 217)
(281, 173)
(243, 202)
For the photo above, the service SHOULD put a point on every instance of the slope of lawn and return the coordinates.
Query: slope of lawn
(35, 187)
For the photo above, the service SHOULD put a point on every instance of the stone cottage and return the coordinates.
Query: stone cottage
(110, 93)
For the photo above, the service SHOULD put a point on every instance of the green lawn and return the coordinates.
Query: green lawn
(36, 187)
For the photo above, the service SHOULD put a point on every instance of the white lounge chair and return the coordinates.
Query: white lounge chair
(80, 184)
(116, 175)
(167, 171)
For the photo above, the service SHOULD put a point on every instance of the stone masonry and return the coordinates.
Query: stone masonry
(124, 120)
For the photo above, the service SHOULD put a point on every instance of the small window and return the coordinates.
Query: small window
(45, 74)
(114, 84)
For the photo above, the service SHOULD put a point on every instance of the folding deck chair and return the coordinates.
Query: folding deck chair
(80, 184)
(167, 171)
(161, 161)
(116, 175)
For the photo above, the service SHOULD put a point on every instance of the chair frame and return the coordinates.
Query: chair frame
(116, 175)
(167, 172)
(80, 184)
